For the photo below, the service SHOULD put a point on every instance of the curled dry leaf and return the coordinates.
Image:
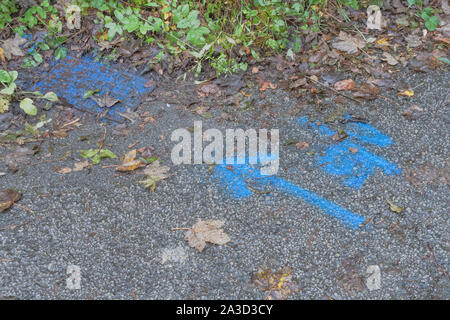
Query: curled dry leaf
(375, 20)
(348, 84)
(7, 198)
(154, 173)
(267, 84)
(129, 162)
(206, 231)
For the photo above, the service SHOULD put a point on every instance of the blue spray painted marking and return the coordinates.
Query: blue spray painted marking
(235, 178)
(71, 78)
(354, 167)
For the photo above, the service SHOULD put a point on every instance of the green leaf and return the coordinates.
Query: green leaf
(28, 107)
(9, 90)
(105, 153)
(13, 75)
(43, 46)
(432, 23)
(4, 76)
(195, 36)
(113, 29)
(89, 93)
(444, 60)
(51, 96)
(96, 159)
(60, 53)
(88, 153)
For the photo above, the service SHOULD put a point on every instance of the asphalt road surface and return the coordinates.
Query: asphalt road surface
(118, 234)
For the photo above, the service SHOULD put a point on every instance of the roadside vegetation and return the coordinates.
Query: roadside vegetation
(220, 33)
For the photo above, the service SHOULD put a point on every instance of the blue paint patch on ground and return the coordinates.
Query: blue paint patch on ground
(354, 167)
(71, 78)
(236, 179)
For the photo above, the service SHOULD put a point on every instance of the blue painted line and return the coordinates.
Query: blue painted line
(234, 179)
(72, 77)
(355, 168)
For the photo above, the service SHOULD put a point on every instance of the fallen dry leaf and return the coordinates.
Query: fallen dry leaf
(154, 173)
(298, 83)
(413, 112)
(367, 92)
(11, 47)
(348, 43)
(7, 198)
(106, 101)
(206, 231)
(353, 150)
(375, 19)
(302, 145)
(348, 84)
(389, 59)
(64, 170)
(210, 88)
(266, 84)
(79, 166)
(394, 207)
(277, 285)
(129, 162)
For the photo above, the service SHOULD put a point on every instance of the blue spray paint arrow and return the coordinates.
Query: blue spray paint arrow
(235, 178)
(356, 167)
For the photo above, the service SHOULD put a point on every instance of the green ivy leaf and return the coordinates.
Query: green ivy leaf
(9, 90)
(28, 107)
(51, 96)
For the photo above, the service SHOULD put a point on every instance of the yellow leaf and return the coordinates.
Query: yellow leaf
(394, 207)
(406, 93)
(129, 163)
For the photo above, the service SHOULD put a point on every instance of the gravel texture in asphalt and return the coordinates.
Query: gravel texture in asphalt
(119, 234)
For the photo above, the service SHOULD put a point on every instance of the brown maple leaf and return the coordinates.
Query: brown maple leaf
(206, 231)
